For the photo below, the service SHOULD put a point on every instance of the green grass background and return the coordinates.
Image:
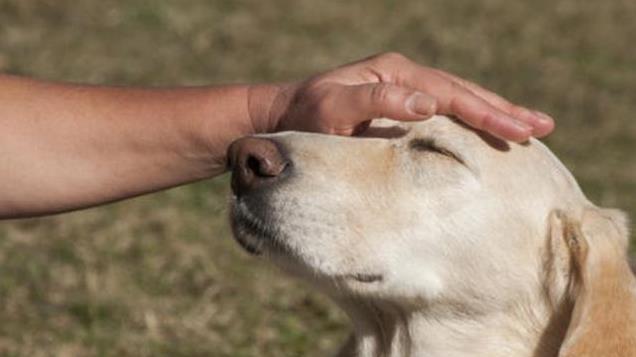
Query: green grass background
(160, 275)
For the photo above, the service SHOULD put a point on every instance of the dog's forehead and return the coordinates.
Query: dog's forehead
(406, 127)
(490, 155)
(435, 126)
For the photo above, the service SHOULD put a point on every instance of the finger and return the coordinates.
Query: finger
(541, 123)
(479, 114)
(376, 100)
(453, 98)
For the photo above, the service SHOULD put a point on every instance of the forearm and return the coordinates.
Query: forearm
(66, 147)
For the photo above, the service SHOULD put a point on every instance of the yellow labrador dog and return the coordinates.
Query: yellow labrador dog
(440, 241)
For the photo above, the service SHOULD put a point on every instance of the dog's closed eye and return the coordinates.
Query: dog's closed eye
(429, 145)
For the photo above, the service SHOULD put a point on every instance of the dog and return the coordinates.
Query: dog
(439, 240)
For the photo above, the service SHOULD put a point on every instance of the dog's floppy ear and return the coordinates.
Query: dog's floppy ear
(602, 286)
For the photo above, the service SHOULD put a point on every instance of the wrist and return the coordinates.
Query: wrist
(267, 103)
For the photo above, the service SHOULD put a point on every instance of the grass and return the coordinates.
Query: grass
(160, 275)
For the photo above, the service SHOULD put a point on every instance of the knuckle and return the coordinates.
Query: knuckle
(487, 121)
(391, 58)
(454, 106)
(380, 93)
(457, 89)
(484, 121)
(479, 120)
(465, 84)
(316, 99)
(513, 108)
(459, 97)
(322, 109)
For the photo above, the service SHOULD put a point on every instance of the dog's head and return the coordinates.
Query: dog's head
(426, 214)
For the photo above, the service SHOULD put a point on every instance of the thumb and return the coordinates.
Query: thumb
(387, 100)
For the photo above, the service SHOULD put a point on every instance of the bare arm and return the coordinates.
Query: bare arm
(65, 147)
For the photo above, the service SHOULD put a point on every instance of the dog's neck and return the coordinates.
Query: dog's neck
(529, 328)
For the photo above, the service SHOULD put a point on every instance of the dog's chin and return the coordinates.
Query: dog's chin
(337, 286)
(249, 242)
(253, 232)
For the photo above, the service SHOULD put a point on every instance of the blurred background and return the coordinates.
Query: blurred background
(160, 275)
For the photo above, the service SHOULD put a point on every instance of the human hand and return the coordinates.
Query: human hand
(343, 100)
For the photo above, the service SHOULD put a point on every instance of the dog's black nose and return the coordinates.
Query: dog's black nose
(255, 163)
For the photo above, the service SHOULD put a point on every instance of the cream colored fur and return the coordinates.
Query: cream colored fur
(439, 241)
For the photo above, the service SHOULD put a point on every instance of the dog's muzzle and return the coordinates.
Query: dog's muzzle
(258, 166)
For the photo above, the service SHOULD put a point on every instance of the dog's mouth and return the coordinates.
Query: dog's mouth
(256, 234)
(251, 232)
(362, 277)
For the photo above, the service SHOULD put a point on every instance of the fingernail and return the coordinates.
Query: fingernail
(526, 115)
(543, 116)
(519, 124)
(421, 104)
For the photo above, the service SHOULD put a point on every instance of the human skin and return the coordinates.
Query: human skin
(66, 146)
